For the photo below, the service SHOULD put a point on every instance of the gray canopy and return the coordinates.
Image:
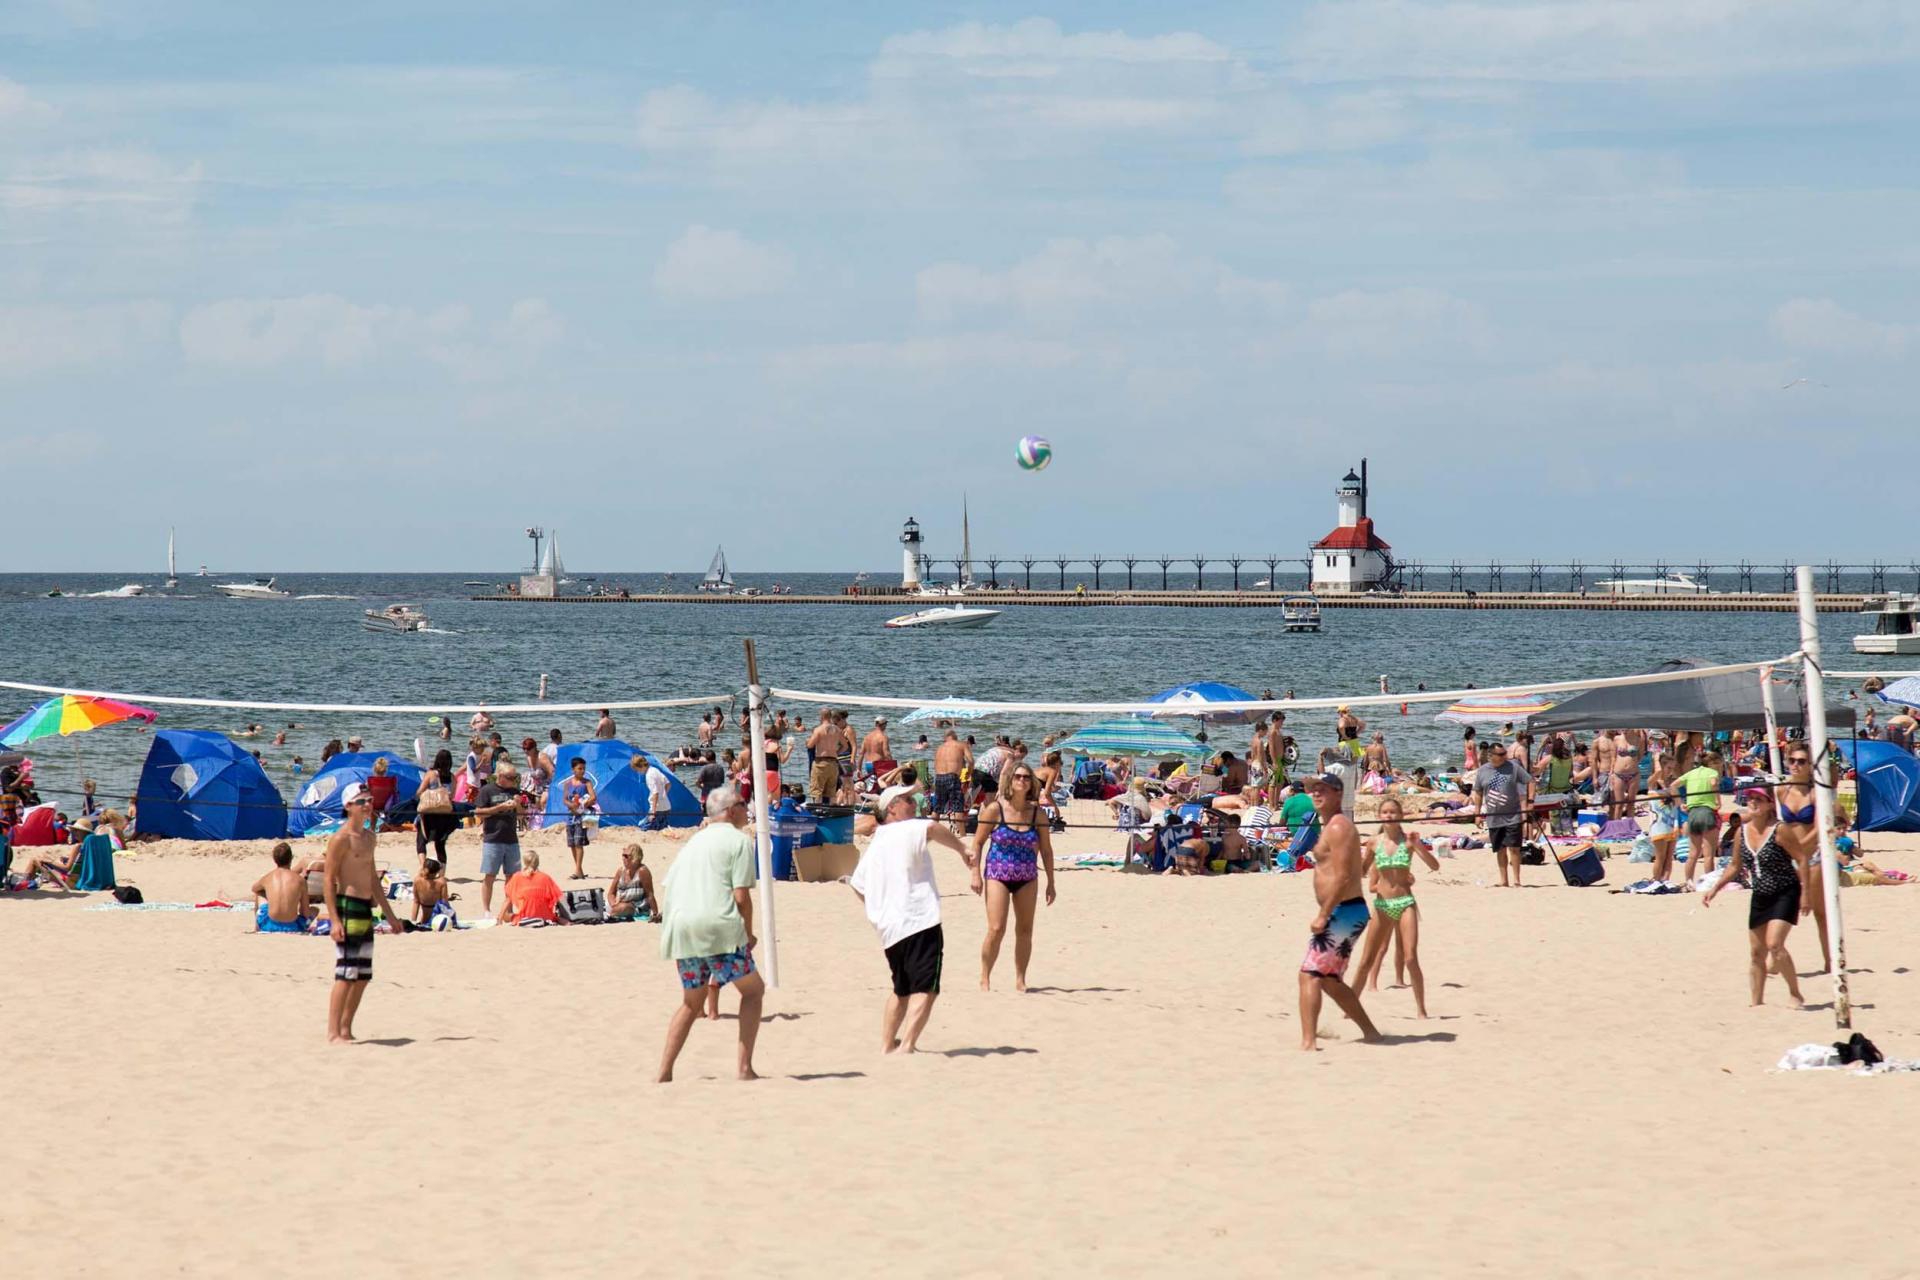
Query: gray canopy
(1708, 704)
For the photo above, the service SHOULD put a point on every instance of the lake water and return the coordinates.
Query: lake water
(196, 643)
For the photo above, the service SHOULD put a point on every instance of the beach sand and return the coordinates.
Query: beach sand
(1593, 1095)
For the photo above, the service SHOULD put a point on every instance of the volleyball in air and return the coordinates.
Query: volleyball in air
(1033, 453)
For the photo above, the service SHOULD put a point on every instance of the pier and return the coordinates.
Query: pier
(1735, 602)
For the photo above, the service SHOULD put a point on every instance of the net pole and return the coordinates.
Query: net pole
(1823, 792)
(769, 950)
(1773, 723)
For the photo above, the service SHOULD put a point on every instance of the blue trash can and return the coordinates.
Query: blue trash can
(790, 827)
(783, 856)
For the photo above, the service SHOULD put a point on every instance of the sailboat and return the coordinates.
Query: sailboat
(551, 566)
(719, 578)
(173, 574)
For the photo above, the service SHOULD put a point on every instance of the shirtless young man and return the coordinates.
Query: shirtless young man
(1341, 919)
(949, 758)
(280, 896)
(874, 747)
(350, 889)
(823, 750)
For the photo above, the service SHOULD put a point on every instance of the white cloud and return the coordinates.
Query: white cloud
(1035, 48)
(18, 108)
(326, 329)
(1821, 324)
(1099, 281)
(34, 338)
(1580, 40)
(927, 355)
(709, 264)
(1393, 323)
(136, 184)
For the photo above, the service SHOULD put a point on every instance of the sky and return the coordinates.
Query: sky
(375, 286)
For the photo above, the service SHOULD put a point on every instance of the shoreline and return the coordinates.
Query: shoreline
(1731, 602)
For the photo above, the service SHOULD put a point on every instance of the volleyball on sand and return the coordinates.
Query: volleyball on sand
(1034, 453)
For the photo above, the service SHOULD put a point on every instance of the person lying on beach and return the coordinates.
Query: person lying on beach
(52, 866)
(280, 896)
(531, 893)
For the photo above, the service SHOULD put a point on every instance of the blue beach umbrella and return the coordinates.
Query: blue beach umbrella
(951, 709)
(1904, 692)
(1134, 736)
(1197, 694)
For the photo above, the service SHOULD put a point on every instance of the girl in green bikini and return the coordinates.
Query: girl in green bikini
(1396, 916)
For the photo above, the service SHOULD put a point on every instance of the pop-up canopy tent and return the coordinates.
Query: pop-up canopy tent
(622, 788)
(197, 785)
(1888, 780)
(319, 801)
(1708, 704)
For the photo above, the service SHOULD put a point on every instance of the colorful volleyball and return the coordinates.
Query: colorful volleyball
(1034, 453)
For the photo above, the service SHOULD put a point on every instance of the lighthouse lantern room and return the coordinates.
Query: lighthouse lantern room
(1353, 557)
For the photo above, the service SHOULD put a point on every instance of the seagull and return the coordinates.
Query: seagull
(1802, 382)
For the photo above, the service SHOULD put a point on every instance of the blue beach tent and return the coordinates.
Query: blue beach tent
(198, 785)
(621, 787)
(319, 801)
(1888, 779)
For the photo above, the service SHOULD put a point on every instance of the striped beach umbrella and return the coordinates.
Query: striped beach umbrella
(69, 714)
(1134, 736)
(1495, 709)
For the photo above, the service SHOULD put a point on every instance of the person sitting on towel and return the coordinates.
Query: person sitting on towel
(630, 895)
(280, 896)
(430, 895)
(531, 894)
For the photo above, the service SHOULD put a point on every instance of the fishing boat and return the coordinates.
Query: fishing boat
(719, 579)
(1896, 624)
(1667, 584)
(173, 573)
(398, 619)
(963, 616)
(1301, 613)
(258, 589)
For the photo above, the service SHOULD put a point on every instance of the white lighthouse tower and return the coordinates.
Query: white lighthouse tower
(1353, 557)
(910, 555)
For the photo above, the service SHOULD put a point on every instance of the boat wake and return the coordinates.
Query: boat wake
(323, 596)
(436, 631)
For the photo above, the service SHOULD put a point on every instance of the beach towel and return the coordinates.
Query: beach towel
(1653, 887)
(93, 864)
(165, 906)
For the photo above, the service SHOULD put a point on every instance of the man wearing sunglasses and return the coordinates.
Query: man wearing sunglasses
(350, 889)
(1502, 796)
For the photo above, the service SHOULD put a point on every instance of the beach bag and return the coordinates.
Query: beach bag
(435, 800)
(129, 895)
(1532, 855)
(583, 906)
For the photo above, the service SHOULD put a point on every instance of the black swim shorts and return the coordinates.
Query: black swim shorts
(915, 962)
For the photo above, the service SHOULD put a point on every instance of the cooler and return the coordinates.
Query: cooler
(1581, 866)
(834, 822)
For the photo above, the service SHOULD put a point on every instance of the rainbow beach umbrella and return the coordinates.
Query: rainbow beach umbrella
(66, 714)
(1498, 708)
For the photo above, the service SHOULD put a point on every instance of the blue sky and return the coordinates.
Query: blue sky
(374, 286)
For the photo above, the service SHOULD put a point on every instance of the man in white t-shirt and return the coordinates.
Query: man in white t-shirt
(895, 881)
(659, 793)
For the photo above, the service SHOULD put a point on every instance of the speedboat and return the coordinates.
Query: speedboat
(1896, 616)
(119, 593)
(1301, 613)
(399, 619)
(1670, 584)
(258, 589)
(946, 615)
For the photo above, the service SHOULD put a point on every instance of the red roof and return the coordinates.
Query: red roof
(1354, 537)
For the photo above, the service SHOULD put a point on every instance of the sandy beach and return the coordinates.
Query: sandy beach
(1592, 1096)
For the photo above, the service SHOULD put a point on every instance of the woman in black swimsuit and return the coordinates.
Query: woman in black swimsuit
(1777, 879)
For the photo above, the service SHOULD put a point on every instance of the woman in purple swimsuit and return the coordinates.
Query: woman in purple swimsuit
(1018, 845)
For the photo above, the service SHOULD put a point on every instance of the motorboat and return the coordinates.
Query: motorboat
(1896, 616)
(258, 589)
(1668, 584)
(127, 592)
(399, 619)
(965, 616)
(1301, 613)
(475, 582)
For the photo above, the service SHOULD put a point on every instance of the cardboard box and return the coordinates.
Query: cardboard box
(825, 861)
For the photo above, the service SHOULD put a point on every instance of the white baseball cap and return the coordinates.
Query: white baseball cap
(352, 792)
(891, 794)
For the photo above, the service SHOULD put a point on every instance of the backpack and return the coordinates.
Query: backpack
(582, 906)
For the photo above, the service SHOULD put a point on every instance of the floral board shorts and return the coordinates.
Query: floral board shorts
(1329, 950)
(714, 971)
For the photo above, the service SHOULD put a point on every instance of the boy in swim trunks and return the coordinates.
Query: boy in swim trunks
(280, 896)
(1341, 919)
(350, 889)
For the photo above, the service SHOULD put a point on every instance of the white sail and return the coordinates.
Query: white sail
(173, 574)
(718, 576)
(551, 566)
(966, 546)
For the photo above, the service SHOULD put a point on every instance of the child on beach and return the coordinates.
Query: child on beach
(1396, 916)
